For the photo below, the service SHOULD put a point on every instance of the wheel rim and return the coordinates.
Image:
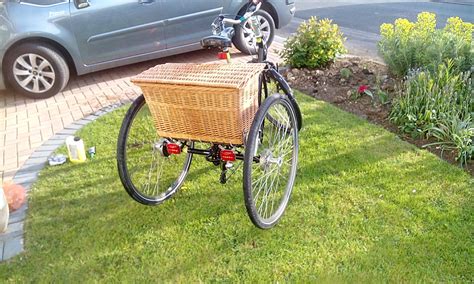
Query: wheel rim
(34, 73)
(273, 177)
(154, 176)
(249, 35)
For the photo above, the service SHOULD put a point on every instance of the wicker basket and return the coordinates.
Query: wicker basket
(202, 102)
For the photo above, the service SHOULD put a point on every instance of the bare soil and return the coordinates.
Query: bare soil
(336, 87)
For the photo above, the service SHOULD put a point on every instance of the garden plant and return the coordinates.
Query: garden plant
(436, 97)
(316, 44)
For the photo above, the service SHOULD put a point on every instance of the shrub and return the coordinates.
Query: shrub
(438, 104)
(316, 44)
(406, 45)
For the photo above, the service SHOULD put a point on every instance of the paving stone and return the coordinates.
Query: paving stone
(26, 179)
(74, 126)
(17, 216)
(82, 122)
(67, 131)
(36, 161)
(29, 168)
(12, 247)
(13, 230)
(87, 119)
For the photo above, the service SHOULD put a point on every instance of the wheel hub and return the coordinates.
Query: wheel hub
(34, 73)
(267, 159)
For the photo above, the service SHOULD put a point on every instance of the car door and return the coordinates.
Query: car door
(108, 30)
(190, 20)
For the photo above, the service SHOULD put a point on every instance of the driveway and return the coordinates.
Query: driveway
(25, 123)
(360, 19)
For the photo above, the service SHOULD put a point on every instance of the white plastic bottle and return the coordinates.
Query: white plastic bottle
(75, 149)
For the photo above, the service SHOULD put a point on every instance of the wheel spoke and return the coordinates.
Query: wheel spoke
(25, 82)
(44, 64)
(48, 74)
(264, 25)
(36, 87)
(33, 58)
(45, 83)
(19, 72)
(23, 63)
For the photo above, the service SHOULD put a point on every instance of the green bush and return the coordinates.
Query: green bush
(406, 45)
(316, 44)
(438, 104)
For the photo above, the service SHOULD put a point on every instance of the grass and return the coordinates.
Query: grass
(366, 207)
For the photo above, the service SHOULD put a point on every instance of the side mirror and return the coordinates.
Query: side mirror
(81, 4)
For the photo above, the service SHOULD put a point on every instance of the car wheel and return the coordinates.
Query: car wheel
(244, 38)
(37, 71)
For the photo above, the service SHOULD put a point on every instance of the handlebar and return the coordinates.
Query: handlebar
(222, 35)
(244, 18)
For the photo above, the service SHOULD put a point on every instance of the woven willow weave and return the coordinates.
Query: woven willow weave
(202, 102)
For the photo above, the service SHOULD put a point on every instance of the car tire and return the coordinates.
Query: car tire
(243, 40)
(37, 71)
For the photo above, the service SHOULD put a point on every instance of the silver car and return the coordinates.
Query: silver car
(43, 41)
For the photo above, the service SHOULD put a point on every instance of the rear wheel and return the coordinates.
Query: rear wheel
(270, 160)
(36, 70)
(148, 173)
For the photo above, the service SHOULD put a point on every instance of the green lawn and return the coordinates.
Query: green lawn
(366, 206)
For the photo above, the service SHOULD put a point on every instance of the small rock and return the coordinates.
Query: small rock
(367, 71)
(339, 99)
(318, 73)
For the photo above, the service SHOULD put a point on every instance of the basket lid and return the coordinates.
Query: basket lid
(233, 75)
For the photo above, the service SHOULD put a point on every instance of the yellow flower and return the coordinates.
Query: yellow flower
(386, 30)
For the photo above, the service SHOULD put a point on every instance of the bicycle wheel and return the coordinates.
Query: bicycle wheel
(148, 173)
(273, 83)
(271, 156)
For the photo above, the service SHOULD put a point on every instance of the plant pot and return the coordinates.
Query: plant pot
(4, 212)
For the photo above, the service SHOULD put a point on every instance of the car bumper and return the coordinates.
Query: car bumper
(286, 11)
(2, 83)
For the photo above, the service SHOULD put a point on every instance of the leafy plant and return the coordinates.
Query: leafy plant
(455, 134)
(409, 45)
(346, 73)
(316, 44)
(382, 97)
(440, 105)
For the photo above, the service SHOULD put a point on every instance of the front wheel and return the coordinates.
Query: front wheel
(270, 161)
(37, 71)
(148, 173)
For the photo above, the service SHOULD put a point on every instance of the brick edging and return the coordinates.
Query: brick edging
(11, 242)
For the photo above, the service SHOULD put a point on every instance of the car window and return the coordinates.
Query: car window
(43, 2)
